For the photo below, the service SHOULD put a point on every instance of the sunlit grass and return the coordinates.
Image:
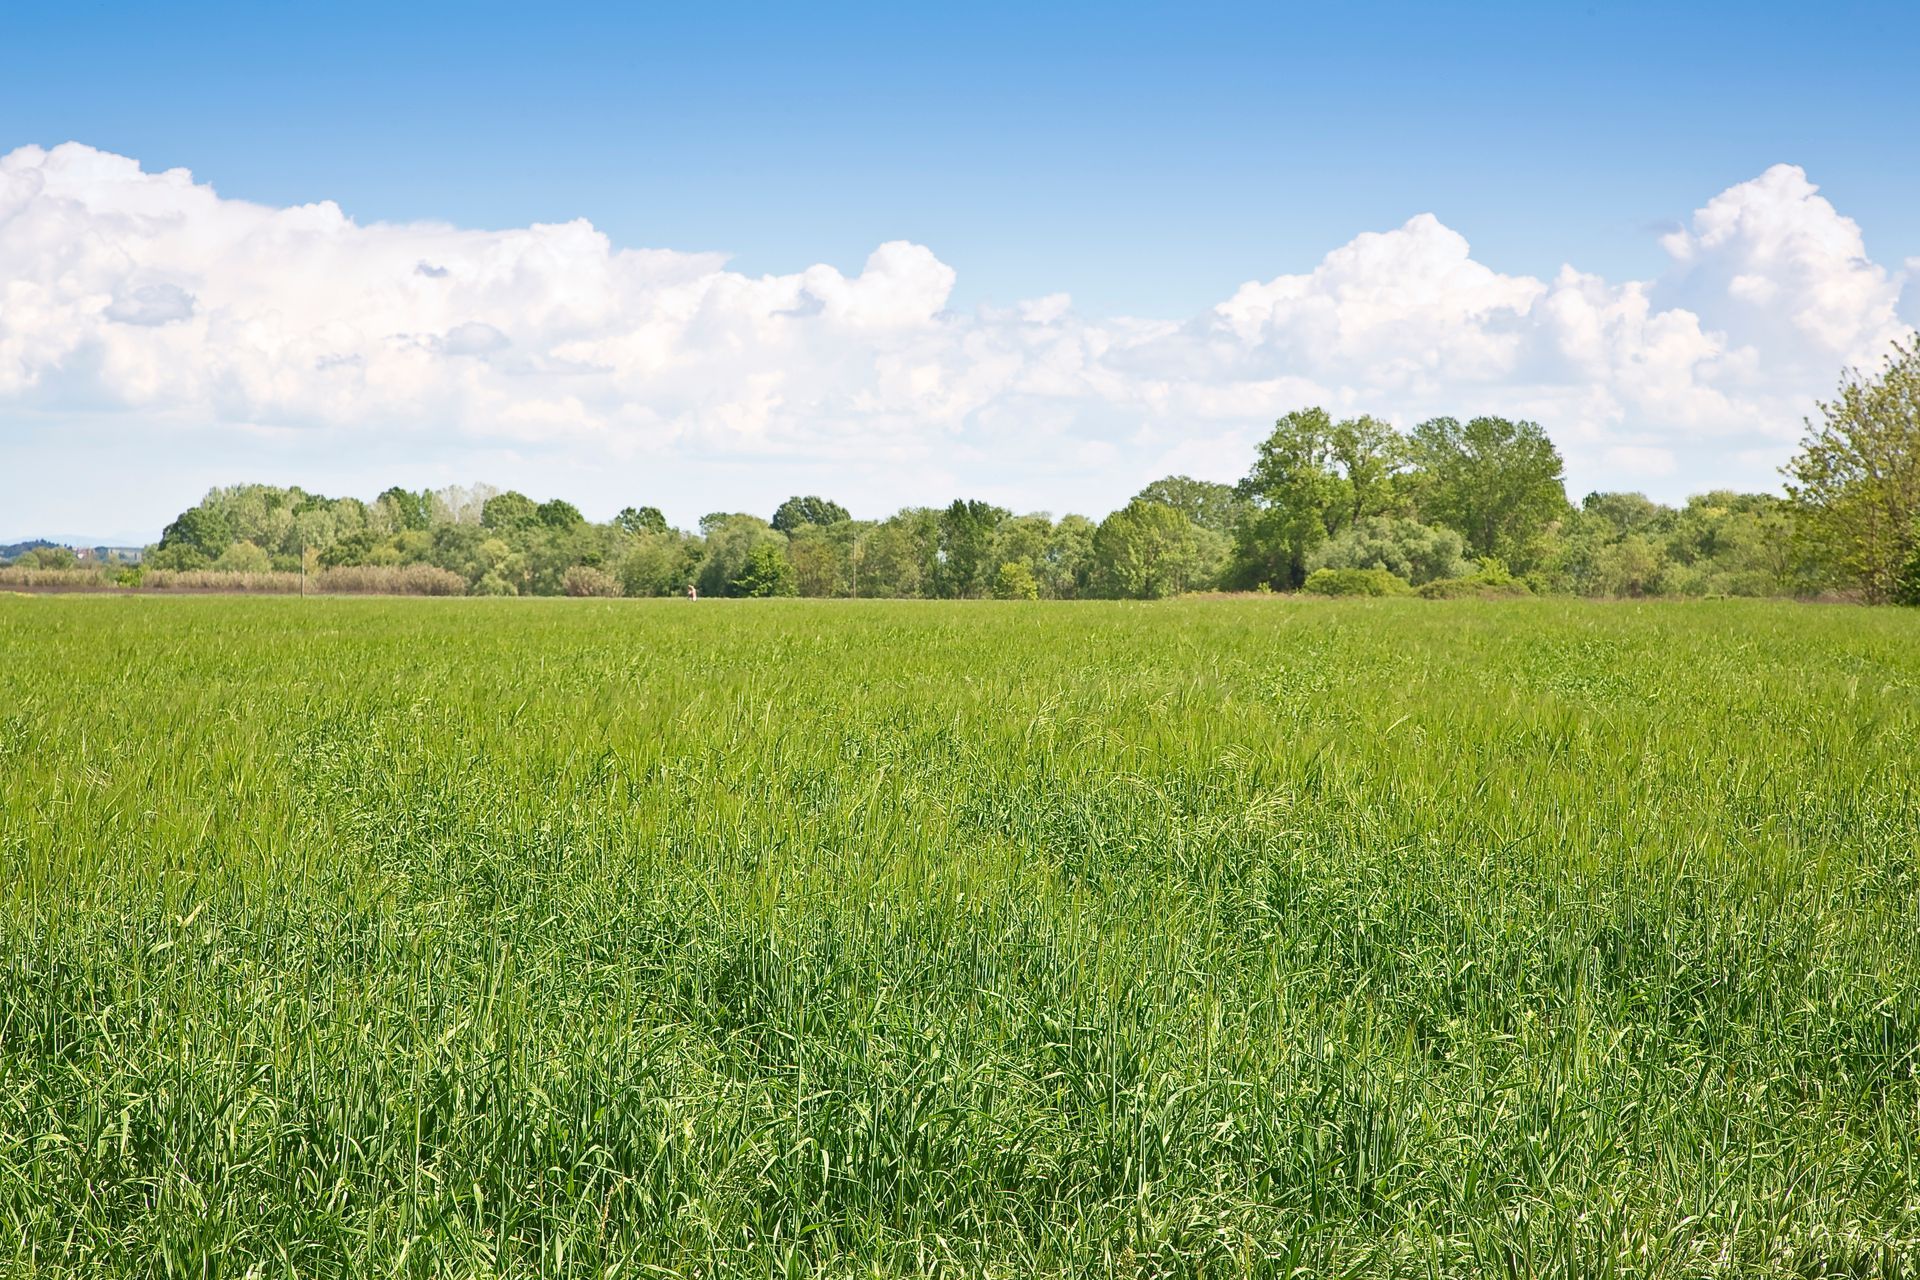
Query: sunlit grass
(1232, 937)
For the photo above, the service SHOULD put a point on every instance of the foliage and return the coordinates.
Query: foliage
(557, 514)
(1501, 484)
(728, 549)
(350, 937)
(1015, 582)
(1855, 484)
(658, 564)
(510, 511)
(405, 509)
(1147, 550)
(1208, 504)
(1491, 580)
(1355, 582)
(1406, 548)
(767, 572)
(1311, 478)
(797, 512)
(243, 557)
(640, 521)
(966, 566)
(201, 531)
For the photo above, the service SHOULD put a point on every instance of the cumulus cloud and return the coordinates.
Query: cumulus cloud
(151, 296)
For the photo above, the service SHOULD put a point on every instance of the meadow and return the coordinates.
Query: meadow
(347, 937)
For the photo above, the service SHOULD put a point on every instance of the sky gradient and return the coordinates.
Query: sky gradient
(1188, 178)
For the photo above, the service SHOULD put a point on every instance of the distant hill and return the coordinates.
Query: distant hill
(100, 553)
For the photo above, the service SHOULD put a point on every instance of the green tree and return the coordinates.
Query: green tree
(728, 547)
(202, 530)
(1855, 484)
(1208, 504)
(1500, 483)
(243, 557)
(557, 514)
(1626, 513)
(1311, 478)
(509, 511)
(1067, 568)
(966, 564)
(406, 509)
(1147, 550)
(1022, 540)
(797, 512)
(1406, 548)
(658, 564)
(767, 572)
(899, 555)
(640, 520)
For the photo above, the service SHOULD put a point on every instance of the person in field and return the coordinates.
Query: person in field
(691, 593)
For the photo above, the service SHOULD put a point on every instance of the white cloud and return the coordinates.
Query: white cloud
(151, 297)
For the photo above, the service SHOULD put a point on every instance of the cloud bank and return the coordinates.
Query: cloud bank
(150, 300)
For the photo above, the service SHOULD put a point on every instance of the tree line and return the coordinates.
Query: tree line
(1337, 506)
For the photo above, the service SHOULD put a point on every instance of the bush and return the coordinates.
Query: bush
(392, 580)
(585, 580)
(1016, 582)
(1498, 586)
(1355, 582)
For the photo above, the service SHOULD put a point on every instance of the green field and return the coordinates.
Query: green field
(347, 937)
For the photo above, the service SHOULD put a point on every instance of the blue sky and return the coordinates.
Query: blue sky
(1147, 161)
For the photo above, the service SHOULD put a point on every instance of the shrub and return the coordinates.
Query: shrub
(1354, 582)
(585, 580)
(1015, 582)
(392, 580)
(1498, 585)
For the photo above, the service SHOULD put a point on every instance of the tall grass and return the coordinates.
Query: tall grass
(1259, 937)
(392, 580)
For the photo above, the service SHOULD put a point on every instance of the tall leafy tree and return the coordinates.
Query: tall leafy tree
(201, 530)
(1207, 503)
(509, 511)
(407, 509)
(556, 513)
(767, 572)
(797, 511)
(1311, 478)
(967, 565)
(1500, 483)
(640, 520)
(1855, 484)
(1147, 550)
